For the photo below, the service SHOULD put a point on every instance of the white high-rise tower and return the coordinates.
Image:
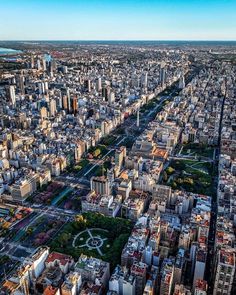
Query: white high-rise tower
(12, 95)
(137, 118)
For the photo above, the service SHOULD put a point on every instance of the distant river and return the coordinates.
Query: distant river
(8, 51)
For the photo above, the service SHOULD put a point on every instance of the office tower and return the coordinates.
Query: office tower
(74, 104)
(22, 84)
(64, 69)
(38, 64)
(43, 113)
(68, 99)
(100, 185)
(182, 82)
(65, 102)
(135, 81)
(45, 86)
(225, 270)
(144, 80)
(32, 62)
(105, 92)
(52, 65)
(137, 123)
(99, 84)
(111, 98)
(87, 85)
(44, 64)
(59, 100)
(41, 88)
(12, 95)
(52, 107)
(105, 128)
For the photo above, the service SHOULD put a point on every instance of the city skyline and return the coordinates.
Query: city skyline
(118, 20)
(117, 147)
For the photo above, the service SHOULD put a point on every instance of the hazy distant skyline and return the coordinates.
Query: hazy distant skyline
(118, 20)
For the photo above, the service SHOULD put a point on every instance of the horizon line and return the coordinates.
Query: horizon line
(119, 40)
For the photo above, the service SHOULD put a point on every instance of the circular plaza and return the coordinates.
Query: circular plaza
(92, 239)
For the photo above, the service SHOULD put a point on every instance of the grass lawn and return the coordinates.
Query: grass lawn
(81, 239)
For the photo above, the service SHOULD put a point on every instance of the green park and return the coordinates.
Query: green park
(190, 175)
(95, 235)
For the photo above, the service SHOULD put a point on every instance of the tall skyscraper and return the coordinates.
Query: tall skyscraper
(111, 98)
(43, 113)
(68, 99)
(44, 64)
(22, 84)
(99, 84)
(52, 107)
(87, 85)
(74, 104)
(12, 95)
(106, 92)
(182, 82)
(41, 88)
(137, 123)
(38, 64)
(144, 80)
(65, 102)
(32, 62)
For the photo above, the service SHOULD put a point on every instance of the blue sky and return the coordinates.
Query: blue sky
(118, 20)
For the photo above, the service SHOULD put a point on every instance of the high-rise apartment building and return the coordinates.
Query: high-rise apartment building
(225, 269)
